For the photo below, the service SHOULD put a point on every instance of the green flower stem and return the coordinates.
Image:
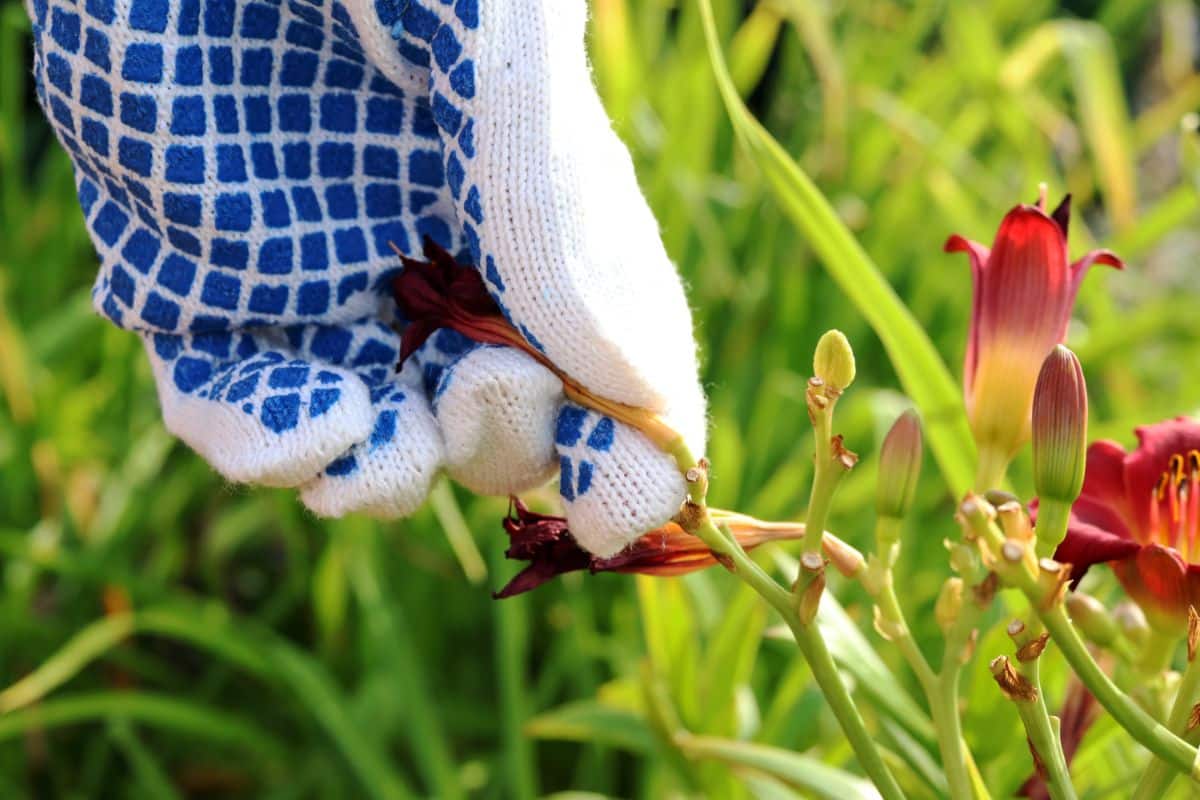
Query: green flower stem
(1051, 525)
(941, 690)
(943, 702)
(1044, 735)
(1151, 734)
(1159, 775)
(812, 645)
(991, 469)
(827, 473)
(696, 520)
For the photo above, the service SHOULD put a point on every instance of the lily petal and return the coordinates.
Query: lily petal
(978, 255)
(1087, 545)
(1157, 580)
(1145, 465)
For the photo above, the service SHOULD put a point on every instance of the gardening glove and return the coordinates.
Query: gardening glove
(245, 168)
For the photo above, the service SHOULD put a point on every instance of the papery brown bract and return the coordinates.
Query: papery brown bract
(1140, 510)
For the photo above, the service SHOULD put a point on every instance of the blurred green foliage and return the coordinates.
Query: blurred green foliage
(164, 634)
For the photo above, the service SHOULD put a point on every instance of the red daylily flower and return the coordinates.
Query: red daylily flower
(544, 541)
(1024, 291)
(1140, 511)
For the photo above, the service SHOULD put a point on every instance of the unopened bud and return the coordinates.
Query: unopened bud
(1060, 419)
(845, 558)
(1092, 618)
(899, 467)
(833, 361)
(949, 603)
(1132, 621)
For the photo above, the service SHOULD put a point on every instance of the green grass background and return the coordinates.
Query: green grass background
(267, 654)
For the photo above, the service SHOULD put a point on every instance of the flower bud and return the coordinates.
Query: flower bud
(1059, 427)
(1132, 622)
(1092, 619)
(844, 557)
(899, 467)
(949, 603)
(833, 361)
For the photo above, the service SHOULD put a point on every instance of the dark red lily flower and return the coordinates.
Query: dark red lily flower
(442, 293)
(1140, 511)
(1025, 289)
(544, 541)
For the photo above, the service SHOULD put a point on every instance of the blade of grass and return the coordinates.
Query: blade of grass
(921, 371)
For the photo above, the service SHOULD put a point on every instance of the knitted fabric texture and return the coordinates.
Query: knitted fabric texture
(244, 168)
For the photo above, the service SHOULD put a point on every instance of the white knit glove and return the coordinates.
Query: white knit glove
(243, 167)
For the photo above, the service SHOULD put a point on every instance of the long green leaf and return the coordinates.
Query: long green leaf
(794, 769)
(921, 370)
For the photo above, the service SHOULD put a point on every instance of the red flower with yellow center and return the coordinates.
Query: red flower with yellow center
(1024, 291)
(1140, 511)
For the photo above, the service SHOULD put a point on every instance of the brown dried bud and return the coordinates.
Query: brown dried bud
(1014, 685)
(845, 558)
(1193, 633)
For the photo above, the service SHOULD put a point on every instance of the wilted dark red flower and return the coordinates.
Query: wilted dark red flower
(544, 541)
(1140, 511)
(442, 293)
(1025, 289)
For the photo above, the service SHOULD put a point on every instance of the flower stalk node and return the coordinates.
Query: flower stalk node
(949, 604)
(810, 585)
(1016, 687)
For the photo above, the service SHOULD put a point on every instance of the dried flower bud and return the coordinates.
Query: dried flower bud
(1092, 619)
(833, 361)
(844, 557)
(949, 603)
(1059, 427)
(899, 467)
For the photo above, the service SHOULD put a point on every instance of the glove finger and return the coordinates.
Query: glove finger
(548, 201)
(389, 470)
(255, 410)
(615, 483)
(497, 407)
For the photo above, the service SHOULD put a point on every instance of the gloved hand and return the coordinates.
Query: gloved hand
(243, 167)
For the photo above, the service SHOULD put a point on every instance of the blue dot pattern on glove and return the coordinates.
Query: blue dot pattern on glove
(581, 436)
(239, 163)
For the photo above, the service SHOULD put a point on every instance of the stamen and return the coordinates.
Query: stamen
(1157, 495)
(1192, 499)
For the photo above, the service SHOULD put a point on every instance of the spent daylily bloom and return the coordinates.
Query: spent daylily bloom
(1140, 511)
(1024, 291)
(443, 292)
(545, 542)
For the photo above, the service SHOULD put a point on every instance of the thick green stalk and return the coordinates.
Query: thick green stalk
(944, 701)
(1152, 735)
(808, 638)
(827, 473)
(1051, 525)
(1044, 735)
(1159, 775)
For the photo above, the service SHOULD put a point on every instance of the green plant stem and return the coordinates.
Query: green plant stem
(826, 475)
(1159, 775)
(697, 521)
(990, 471)
(943, 701)
(1151, 734)
(1051, 525)
(812, 645)
(1044, 736)
(941, 690)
